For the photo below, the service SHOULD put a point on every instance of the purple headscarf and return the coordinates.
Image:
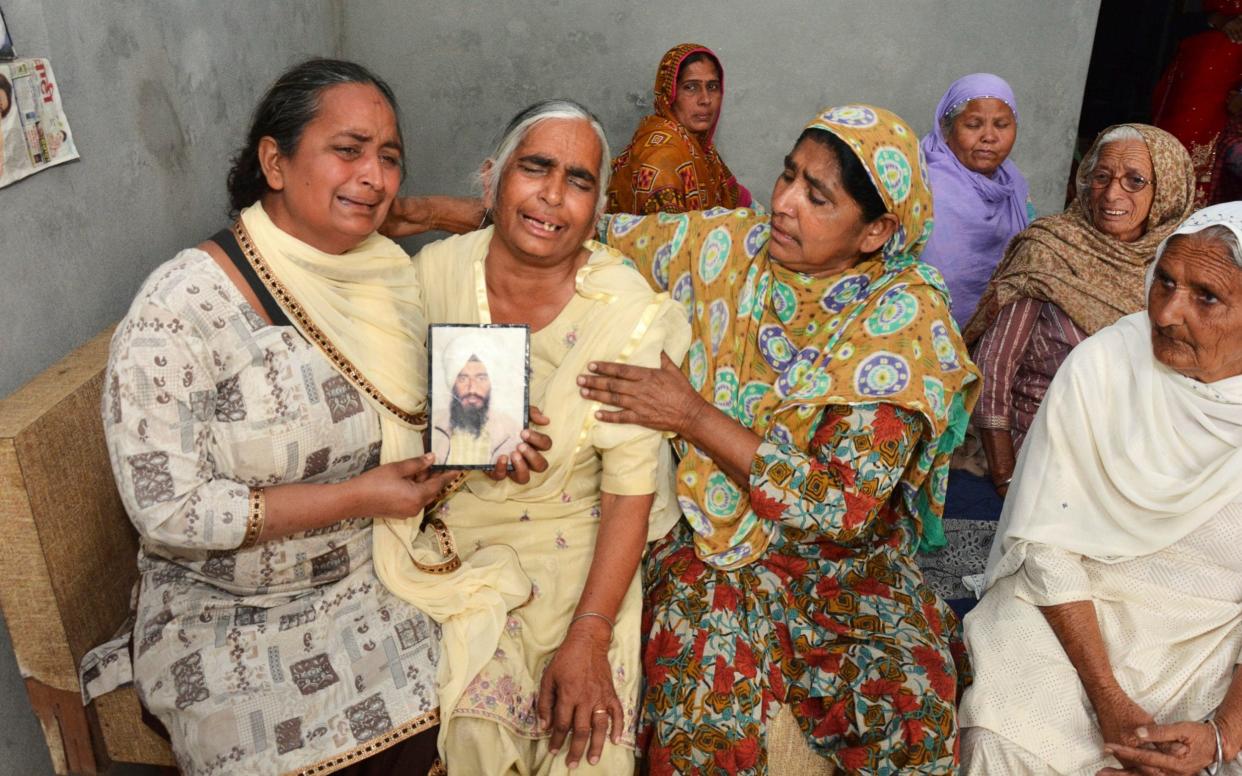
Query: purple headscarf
(975, 215)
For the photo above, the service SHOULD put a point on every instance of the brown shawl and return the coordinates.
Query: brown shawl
(1065, 260)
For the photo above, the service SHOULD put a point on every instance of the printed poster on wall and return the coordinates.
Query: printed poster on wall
(34, 133)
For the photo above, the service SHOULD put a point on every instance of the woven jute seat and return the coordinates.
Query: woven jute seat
(69, 553)
(788, 752)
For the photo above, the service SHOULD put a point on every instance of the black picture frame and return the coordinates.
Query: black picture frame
(509, 344)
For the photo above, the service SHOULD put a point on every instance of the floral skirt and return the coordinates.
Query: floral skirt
(865, 653)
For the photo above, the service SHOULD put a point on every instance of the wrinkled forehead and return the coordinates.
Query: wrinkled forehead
(1125, 155)
(562, 142)
(1201, 254)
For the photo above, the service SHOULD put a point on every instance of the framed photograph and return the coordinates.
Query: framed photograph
(479, 385)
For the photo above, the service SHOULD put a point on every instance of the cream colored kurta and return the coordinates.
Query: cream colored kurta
(272, 659)
(1172, 623)
(551, 523)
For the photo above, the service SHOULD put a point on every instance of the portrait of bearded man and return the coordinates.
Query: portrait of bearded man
(468, 430)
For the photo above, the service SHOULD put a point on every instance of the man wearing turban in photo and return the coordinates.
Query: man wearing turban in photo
(468, 431)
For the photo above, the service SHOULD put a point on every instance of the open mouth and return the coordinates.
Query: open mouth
(358, 203)
(1113, 213)
(782, 237)
(547, 227)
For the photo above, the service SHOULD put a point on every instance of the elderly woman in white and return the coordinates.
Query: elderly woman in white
(1107, 640)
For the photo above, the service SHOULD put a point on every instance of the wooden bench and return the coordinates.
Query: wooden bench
(68, 566)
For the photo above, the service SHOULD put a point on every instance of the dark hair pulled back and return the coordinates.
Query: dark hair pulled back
(288, 106)
(7, 88)
(698, 56)
(854, 177)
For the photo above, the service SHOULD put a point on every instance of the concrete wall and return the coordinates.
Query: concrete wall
(158, 93)
(462, 70)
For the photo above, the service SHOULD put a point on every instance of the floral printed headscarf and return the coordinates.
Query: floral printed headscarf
(879, 332)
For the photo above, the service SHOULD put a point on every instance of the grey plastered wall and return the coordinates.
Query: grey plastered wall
(157, 93)
(462, 69)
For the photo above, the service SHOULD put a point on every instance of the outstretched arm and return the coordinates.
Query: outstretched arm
(415, 215)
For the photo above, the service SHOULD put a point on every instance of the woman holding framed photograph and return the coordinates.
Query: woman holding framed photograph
(566, 663)
(263, 402)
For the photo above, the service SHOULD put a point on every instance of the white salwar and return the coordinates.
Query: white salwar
(1128, 493)
(1172, 623)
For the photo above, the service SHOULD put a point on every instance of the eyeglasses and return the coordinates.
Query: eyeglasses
(1130, 181)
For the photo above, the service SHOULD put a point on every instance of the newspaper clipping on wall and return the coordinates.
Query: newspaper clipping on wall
(34, 133)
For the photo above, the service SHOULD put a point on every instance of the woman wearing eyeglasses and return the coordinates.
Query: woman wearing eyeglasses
(1067, 276)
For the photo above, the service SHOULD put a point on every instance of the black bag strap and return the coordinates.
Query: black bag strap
(228, 243)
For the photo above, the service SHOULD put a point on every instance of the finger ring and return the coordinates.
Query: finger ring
(600, 711)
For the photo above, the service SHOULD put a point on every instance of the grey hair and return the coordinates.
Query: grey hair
(957, 109)
(515, 133)
(950, 116)
(1118, 134)
(1221, 234)
(1218, 232)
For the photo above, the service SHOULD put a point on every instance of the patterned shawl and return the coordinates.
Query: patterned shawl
(775, 348)
(976, 215)
(1064, 259)
(666, 167)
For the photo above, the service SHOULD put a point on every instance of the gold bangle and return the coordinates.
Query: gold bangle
(254, 519)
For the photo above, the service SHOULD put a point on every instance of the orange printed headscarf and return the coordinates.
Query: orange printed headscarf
(667, 168)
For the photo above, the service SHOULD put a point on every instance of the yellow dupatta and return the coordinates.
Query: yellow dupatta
(632, 309)
(362, 309)
(471, 597)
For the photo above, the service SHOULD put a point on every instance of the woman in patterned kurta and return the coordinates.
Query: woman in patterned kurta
(671, 165)
(250, 425)
(792, 580)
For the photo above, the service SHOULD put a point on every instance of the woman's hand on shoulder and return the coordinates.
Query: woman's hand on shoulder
(528, 457)
(402, 488)
(407, 217)
(577, 698)
(660, 399)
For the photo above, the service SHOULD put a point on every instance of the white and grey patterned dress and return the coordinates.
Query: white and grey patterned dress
(282, 656)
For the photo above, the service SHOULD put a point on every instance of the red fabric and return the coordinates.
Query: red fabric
(1189, 101)
(1225, 185)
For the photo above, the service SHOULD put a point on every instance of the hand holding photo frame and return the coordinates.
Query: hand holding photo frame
(479, 392)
